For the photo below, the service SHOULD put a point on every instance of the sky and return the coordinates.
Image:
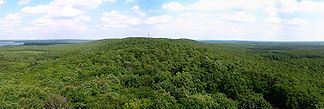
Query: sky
(260, 20)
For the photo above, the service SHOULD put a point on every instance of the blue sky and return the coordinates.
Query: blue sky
(274, 20)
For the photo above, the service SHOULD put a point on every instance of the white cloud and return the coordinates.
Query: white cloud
(124, 20)
(24, 2)
(304, 6)
(55, 18)
(163, 19)
(137, 10)
(15, 16)
(50, 24)
(9, 24)
(203, 19)
(2, 2)
(206, 18)
(207, 26)
(66, 11)
(115, 19)
(297, 21)
(82, 4)
(240, 17)
(174, 6)
(109, 0)
(246, 5)
(130, 1)
(273, 20)
(55, 12)
(40, 9)
(10, 21)
(248, 19)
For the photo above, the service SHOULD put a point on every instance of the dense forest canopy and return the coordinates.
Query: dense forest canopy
(162, 73)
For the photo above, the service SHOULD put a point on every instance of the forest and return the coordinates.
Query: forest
(158, 73)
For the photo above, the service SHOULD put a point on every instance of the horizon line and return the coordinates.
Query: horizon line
(236, 40)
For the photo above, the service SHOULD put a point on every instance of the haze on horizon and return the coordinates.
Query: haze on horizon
(266, 20)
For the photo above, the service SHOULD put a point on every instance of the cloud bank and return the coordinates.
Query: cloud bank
(198, 19)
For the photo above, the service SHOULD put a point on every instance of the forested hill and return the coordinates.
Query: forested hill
(162, 73)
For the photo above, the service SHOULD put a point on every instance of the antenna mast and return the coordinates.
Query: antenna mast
(148, 34)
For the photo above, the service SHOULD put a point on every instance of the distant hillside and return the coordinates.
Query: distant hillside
(162, 73)
(52, 42)
(267, 42)
(40, 42)
(9, 43)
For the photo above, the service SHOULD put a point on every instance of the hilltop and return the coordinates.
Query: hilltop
(162, 73)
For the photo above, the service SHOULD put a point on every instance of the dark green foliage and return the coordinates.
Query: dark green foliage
(162, 74)
(56, 102)
(213, 101)
(253, 101)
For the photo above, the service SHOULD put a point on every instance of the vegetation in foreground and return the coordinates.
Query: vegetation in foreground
(162, 73)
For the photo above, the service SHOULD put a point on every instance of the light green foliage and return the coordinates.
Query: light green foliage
(162, 73)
